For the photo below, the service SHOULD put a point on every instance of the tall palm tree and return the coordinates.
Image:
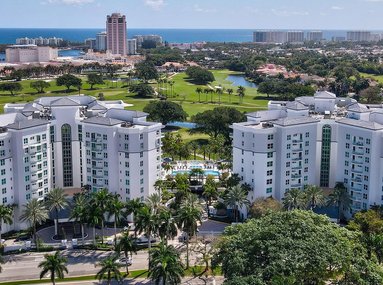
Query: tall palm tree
(166, 265)
(194, 147)
(126, 245)
(6, 216)
(132, 206)
(154, 202)
(294, 199)
(188, 216)
(101, 200)
(116, 210)
(80, 211)
(206, 91)
(54, 264)
(236, 198)
(230, 91)
(199, 91)
(340, 198)
(167, 227)
(241, 93)
(35, 213)
(94, 217)
(56, 200)
(210, 192)
(314, 196)
(109, 269)
(146, 222)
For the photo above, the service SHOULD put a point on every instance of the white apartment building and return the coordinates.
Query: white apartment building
(69, 142)
(30, 53)
(317, 140)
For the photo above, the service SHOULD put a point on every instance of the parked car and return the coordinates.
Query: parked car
(122, 261)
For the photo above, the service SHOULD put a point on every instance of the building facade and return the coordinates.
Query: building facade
(315, 36)
(116, 33)
(70, 142)
(295, 36)
(264, 36)
(318, 140)
(359, 36)
(132, 46)
(30, 53)
(101, 41)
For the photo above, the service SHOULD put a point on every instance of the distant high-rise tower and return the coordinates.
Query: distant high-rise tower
(116, 33)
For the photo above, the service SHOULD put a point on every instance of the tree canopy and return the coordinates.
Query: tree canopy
(142, 89)
(217, 121)
(11, 87)
(40, 85)
(165, 111)
(68, 80)
(94, 79)
(200, 75)
(146, 71)
(297, 247)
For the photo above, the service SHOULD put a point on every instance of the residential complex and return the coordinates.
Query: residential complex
(30, 53)
(141, 38)
(316, 140)
(116, 33)
(315, 36)
(101, 41)
(131, 46)
(69, 142)
(40, 41)
(359, 36)
(278, 36)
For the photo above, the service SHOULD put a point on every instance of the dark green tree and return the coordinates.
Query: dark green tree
(11, 87)
(54, 264)
(165, 112)
(146, 71)
(199, 75)
(94, 79)
(40, 85)
(109, 269)
(68, 80)
(142, 89)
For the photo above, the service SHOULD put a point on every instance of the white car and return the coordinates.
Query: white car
(122, 261)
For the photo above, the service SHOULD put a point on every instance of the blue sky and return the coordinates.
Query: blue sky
(252, 14)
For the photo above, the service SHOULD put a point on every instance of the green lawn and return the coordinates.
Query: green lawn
(378, 78)
(186, 95)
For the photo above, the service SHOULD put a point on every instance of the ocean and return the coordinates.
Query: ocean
(8, 36)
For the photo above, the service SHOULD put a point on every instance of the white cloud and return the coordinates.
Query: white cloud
(199, 9)
(336, 8)
(286, 13)
(155, 4)
(68, 2)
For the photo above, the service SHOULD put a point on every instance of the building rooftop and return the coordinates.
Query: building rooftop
(102, 121)
(25, 124)
(295, 105)
(359, 108)
(361, 124)
(324, 95)
(291, 121)
(64, 101)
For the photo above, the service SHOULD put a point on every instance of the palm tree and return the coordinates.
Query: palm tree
(236, 198)
(56, 200)
(54, 264)
(206, 91)
(294, 199)
(101, 200)
(188, 216)
(166, 265)
(94, 217)
(241, 93)
(154, 202)
(6, 216)
(109, 269)
(132, 207)
(167, 227)
(127, 245)
(314, 196)
(159, 185)
(116, 210)
(79, 212)
(35, 213)
(210, 192)
(199, 91)
(194, 147)
(230, 91)
(145, 222)
(340, 198)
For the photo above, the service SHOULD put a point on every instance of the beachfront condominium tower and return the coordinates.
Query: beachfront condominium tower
(116, 33)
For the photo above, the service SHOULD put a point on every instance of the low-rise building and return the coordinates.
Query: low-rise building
(30, 53)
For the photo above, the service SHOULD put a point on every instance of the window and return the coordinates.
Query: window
(4, 200)
(141, 154)
(269, 190)
(141, 163)
(287, 182)
(26, 178)
(307, 135)
(2, 172)
(346, 163)
(306, 152)
(1, 143)
(367, 150)
(366, 168)
(347, 145)
(269, 155)
(288, 164)
(141, 136)
(288, 155)
(4, 181)
(270, 137)
(365, 196)
(4, 191)
(141, 181)
(307, 143)
(2, 162)
(269, 181)
(288, 173)
(270, 146)
(66, 138)
(367, 159)
(305, 178)
(365, 178)
(25, 140)
(346, 172)
(269, 163)
(306, 160)
(347, 154)
(348, 136)
(288, 146)
(288, 137)
(269, 172)
(104, 137)
(368, 141)
(306, 169)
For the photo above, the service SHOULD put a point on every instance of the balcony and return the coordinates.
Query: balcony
(297, 140)
(296, 158)
(357, 161)
(97, 148)
(358, 151)
(357, 170)
(296, 166)
(358, 143)
(296, 175)
(359, 190)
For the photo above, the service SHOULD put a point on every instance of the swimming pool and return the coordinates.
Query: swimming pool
(206, 172)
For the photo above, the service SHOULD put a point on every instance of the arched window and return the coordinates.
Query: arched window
(325, 159)
(66, 140)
